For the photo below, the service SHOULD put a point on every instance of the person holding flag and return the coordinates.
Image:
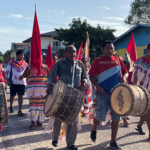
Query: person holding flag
(87, 91)
(141, 76)
(37, 74)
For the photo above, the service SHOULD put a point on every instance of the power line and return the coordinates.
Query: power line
(31, 19)
(12, 35)
(108, 9)
(14, 24)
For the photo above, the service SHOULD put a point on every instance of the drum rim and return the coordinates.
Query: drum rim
(148, 100)
(5, 120)
(52, 102)
(133, 97)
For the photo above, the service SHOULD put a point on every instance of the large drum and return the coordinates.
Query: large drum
(3, 105)
(64, 103)
(130, 100)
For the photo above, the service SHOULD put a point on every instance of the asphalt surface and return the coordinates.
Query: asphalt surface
(17, 136)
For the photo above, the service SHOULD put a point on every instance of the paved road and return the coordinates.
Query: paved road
(17, 136)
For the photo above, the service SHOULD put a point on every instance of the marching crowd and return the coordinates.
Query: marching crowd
(97, 82)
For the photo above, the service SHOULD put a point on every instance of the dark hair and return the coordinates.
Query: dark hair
(148, 46)
(107, 42)
(125, 62)
(70, 46)
(19, 52)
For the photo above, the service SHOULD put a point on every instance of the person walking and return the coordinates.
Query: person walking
(14, 70)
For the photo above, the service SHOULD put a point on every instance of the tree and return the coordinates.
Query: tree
(1, 59)
(139, 12)
(1, 54)
(77, 33)
(7, 53)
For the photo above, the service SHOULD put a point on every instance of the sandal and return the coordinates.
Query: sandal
(127, 123)
(140, 130)
(32, 125)
(39, 124)
(20, 113)
(11, 109)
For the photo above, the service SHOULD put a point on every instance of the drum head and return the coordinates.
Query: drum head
(122, 100)
(51, 97)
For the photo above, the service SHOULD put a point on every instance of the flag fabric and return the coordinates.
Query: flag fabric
(79, 54)
(49, 58)
(36, 56)
(131, 53)
(86, 49)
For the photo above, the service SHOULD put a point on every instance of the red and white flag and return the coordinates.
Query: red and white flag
(79, 54)
(131, 53)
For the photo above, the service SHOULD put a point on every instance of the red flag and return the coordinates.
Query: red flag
(131, 49)
(79, 55)
(49, 58)
(35, 56)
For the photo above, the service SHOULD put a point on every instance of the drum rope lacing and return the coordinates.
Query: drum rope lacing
(66, 106)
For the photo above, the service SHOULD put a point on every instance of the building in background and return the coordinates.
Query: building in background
(17, 46)
(45, 39)
(141, 36)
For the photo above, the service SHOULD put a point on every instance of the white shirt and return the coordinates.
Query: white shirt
(17, 70)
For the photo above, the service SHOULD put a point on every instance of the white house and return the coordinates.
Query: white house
(45, 39)
(17, 46)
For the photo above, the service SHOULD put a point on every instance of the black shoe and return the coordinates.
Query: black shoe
(73, 147)
(115, 146)
(140, 130)
(93, 136)
(54, 143)
(11, 109)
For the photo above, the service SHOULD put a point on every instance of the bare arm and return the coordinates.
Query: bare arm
(95, 83)
(135, 77)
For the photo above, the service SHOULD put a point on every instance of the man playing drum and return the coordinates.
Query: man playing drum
(64, 69)
(141, 76)
(108, 68)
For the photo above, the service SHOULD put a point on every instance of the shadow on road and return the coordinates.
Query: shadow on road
(44, 148)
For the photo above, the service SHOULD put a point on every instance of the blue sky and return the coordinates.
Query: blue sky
(16, 16)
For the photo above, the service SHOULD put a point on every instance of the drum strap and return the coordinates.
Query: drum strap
(119, 67)
(72, 84)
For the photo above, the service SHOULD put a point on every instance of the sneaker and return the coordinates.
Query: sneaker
(140, 130)
(72, 147)
(115, 146)
(93, 136)
(54, 143)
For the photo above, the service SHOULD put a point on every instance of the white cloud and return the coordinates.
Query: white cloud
(29, 18)
(95, 22)
(63, 11)
(56, 11)
(125, 6)
(108, 8)
(48, 11)
(16, 15)
(120, 29)
(114, 18)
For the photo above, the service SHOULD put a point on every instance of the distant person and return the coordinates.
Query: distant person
(57, 54)
(44, 59)
(63, 56)
(14, 70)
